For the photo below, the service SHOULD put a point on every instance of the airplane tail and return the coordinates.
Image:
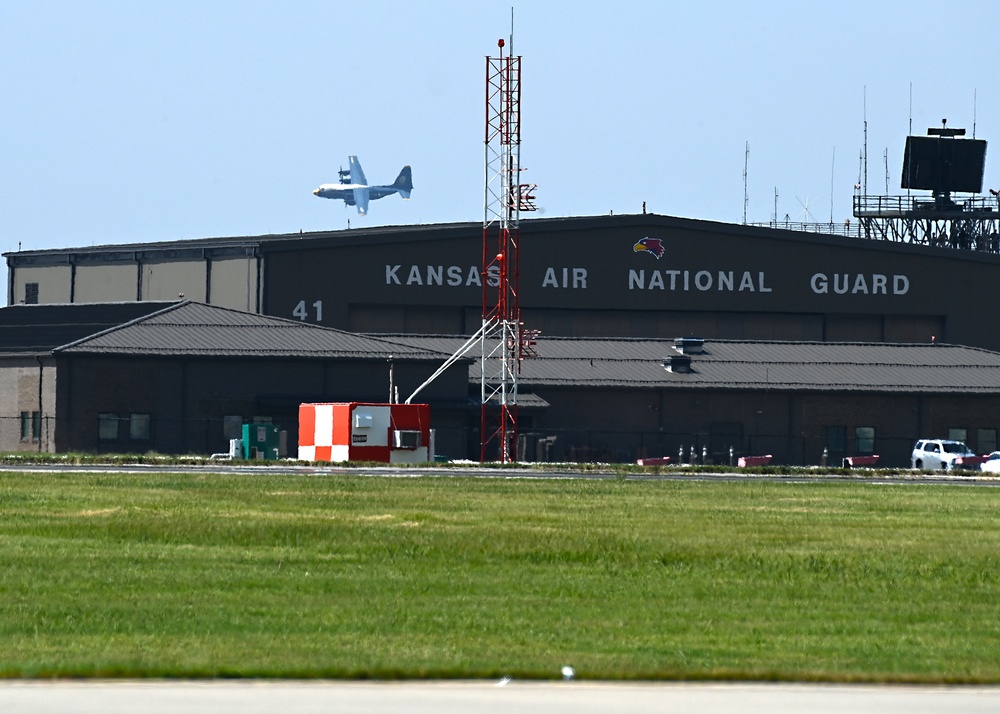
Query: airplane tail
(404, 182)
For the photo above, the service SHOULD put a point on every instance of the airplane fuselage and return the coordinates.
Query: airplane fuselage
(346, 191)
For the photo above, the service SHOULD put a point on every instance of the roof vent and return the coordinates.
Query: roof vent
(680, 364)
(689, 345)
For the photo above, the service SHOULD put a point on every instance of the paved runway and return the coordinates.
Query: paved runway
(292, 697)
(524, 471)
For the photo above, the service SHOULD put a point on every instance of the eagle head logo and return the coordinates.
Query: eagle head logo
(649, 245)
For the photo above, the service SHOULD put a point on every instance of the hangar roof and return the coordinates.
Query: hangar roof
(741, 364)
(254, 245)
(190, 328)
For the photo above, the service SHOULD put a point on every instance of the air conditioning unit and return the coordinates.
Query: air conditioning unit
(406, 439)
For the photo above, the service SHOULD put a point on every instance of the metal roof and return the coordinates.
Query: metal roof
(743, 364)
(190, 328)
(423, 232)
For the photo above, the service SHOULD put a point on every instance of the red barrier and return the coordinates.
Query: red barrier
(657, 461)
(852, 461)
(754, 461)
(970, 462)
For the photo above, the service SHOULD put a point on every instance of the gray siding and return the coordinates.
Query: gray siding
(27, 385)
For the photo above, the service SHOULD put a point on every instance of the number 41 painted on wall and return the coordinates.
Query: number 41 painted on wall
(302, 312)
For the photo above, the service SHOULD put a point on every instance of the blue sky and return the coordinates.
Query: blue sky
(130, 121)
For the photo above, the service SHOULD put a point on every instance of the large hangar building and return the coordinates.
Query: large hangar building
(182, 377)
(629, 275)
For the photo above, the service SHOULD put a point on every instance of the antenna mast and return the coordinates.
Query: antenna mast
(885, 159)
(502, 337)
(864, 186)
(909, 132)
(746, 166)
(833, 165)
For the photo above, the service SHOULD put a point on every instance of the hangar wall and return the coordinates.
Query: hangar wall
(226, 276)
(622, 425)
(27, 401)
(642, 276)
(183, 405)
(52, 284)
(233, 283)
(168, 280)
(633, 275)
(105, 283)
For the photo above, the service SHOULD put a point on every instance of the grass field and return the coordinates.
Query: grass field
(307, 576)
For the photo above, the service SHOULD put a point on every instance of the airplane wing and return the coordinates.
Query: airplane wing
(361, 197)
(357, 175)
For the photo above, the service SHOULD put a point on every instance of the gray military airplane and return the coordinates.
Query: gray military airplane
(354, 188)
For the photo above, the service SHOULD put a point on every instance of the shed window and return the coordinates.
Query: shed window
(31, 293)
(107, 427)
(232, 426)
(31, 426)
(836, 439)
(138, 427)
(864, 438)
(986, 440)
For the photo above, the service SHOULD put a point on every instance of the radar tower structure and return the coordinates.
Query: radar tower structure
(942, 163)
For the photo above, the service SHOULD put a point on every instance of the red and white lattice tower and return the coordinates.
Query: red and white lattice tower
(501, 333)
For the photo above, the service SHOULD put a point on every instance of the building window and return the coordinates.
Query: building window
(31, 293)
(138, 427)
(958, 434)
(107, 427)
(31, 426)
(836, 439)
(864, 439)
(986, 440)
(232, 426)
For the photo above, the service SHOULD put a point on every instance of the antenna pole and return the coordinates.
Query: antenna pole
(909, 133)
(885, 158)
(746, 165)
(910, 130)
(833, 164)
(974, 113)
(510, 41)
(864, 110)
